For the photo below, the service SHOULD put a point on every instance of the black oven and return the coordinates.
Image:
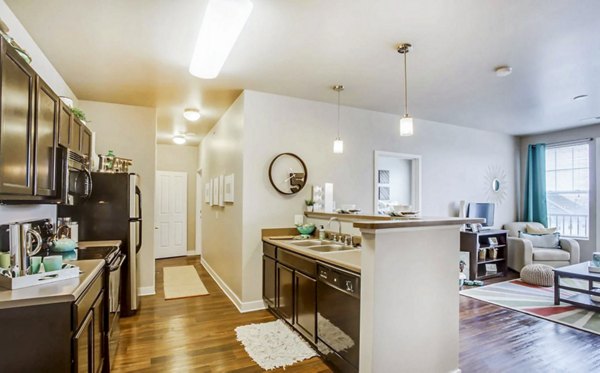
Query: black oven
(75, 177)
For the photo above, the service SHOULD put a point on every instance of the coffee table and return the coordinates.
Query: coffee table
(582, 296)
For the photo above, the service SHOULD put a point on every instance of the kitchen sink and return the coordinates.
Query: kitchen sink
(330, 247)
(306, 243)
(321, 245)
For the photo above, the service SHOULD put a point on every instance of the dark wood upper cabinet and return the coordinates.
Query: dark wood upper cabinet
(86, 142)
(64, 125)
(46, 124)
(17, 90)
(76, 129)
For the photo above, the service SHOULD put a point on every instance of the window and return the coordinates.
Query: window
(568, 189)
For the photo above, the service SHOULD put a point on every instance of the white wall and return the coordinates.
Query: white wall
(130, 131)
(221, 154)
(454, 164)
(182, 159)
(593, 131)
(45, 69)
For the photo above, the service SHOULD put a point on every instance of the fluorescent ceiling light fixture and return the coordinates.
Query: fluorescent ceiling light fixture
(191, 114)
(222, 24)
(179, 139)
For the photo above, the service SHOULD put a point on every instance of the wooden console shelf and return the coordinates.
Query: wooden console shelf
(473, 243)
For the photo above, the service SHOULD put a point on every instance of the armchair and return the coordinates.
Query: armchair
(521, 251)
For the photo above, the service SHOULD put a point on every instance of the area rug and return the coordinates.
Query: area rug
(539, 301)
(273, 344)
(182, 282)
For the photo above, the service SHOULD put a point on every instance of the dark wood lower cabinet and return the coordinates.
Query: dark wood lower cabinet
(285, 292)
(57, 337)
(83, 345)
(269, 273)
(305, 300)
(98, 342)
(290, 288)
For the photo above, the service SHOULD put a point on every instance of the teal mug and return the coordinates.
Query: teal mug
(53, 263)
(34, 263)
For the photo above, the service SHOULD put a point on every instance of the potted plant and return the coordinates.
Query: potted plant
(309, 204)
(79, 114)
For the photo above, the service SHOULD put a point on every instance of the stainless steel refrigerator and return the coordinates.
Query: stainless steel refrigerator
(114, 212)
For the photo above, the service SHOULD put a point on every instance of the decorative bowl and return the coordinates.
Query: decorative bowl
(306, 229)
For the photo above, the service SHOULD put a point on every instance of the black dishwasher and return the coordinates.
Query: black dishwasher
(338, 317)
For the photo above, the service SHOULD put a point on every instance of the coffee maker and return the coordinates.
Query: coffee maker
(22, 241)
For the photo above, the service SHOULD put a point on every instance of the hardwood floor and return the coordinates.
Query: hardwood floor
(191, 335)
(197, 335)
(496, 339)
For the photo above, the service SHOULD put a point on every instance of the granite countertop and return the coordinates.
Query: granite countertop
(106, 243)
(415, 222)
(347, 259)
(56, 292)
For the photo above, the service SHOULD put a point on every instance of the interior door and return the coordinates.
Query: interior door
(171, 214)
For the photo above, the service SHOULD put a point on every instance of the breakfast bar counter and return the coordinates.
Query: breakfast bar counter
(409, 315)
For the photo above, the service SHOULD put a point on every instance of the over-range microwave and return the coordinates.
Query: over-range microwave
(75, 177)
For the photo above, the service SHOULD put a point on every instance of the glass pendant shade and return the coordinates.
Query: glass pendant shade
(406, 126)
(338, 146)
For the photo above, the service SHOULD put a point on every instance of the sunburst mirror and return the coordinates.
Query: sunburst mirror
(495, 184)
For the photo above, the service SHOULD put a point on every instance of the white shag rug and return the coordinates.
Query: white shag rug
(273, 344)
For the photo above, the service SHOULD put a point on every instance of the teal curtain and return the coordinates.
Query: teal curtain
(535, 185)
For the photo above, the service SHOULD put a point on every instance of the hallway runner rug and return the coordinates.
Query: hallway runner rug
(182, 282)
(539, 301)
(273, 344)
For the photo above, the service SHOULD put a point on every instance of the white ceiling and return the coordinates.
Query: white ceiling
(137, 52)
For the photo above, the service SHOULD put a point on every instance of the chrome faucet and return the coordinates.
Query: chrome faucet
(339, 226)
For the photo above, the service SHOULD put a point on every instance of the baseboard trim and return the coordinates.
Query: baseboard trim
(243, 307)
(146, 290)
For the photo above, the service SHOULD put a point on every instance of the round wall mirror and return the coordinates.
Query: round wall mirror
(496, 185)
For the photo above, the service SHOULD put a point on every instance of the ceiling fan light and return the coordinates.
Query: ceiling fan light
(406, 126)
(179, 139)
(338, 146)
(222, 24)
(191, 114)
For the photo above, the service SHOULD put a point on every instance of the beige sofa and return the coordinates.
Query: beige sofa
(521, 252)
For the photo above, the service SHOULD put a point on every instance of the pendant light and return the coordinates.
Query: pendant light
(338, 144)
(406, 123)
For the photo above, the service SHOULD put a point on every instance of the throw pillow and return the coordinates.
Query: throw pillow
(546, 241)
(532, 229)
